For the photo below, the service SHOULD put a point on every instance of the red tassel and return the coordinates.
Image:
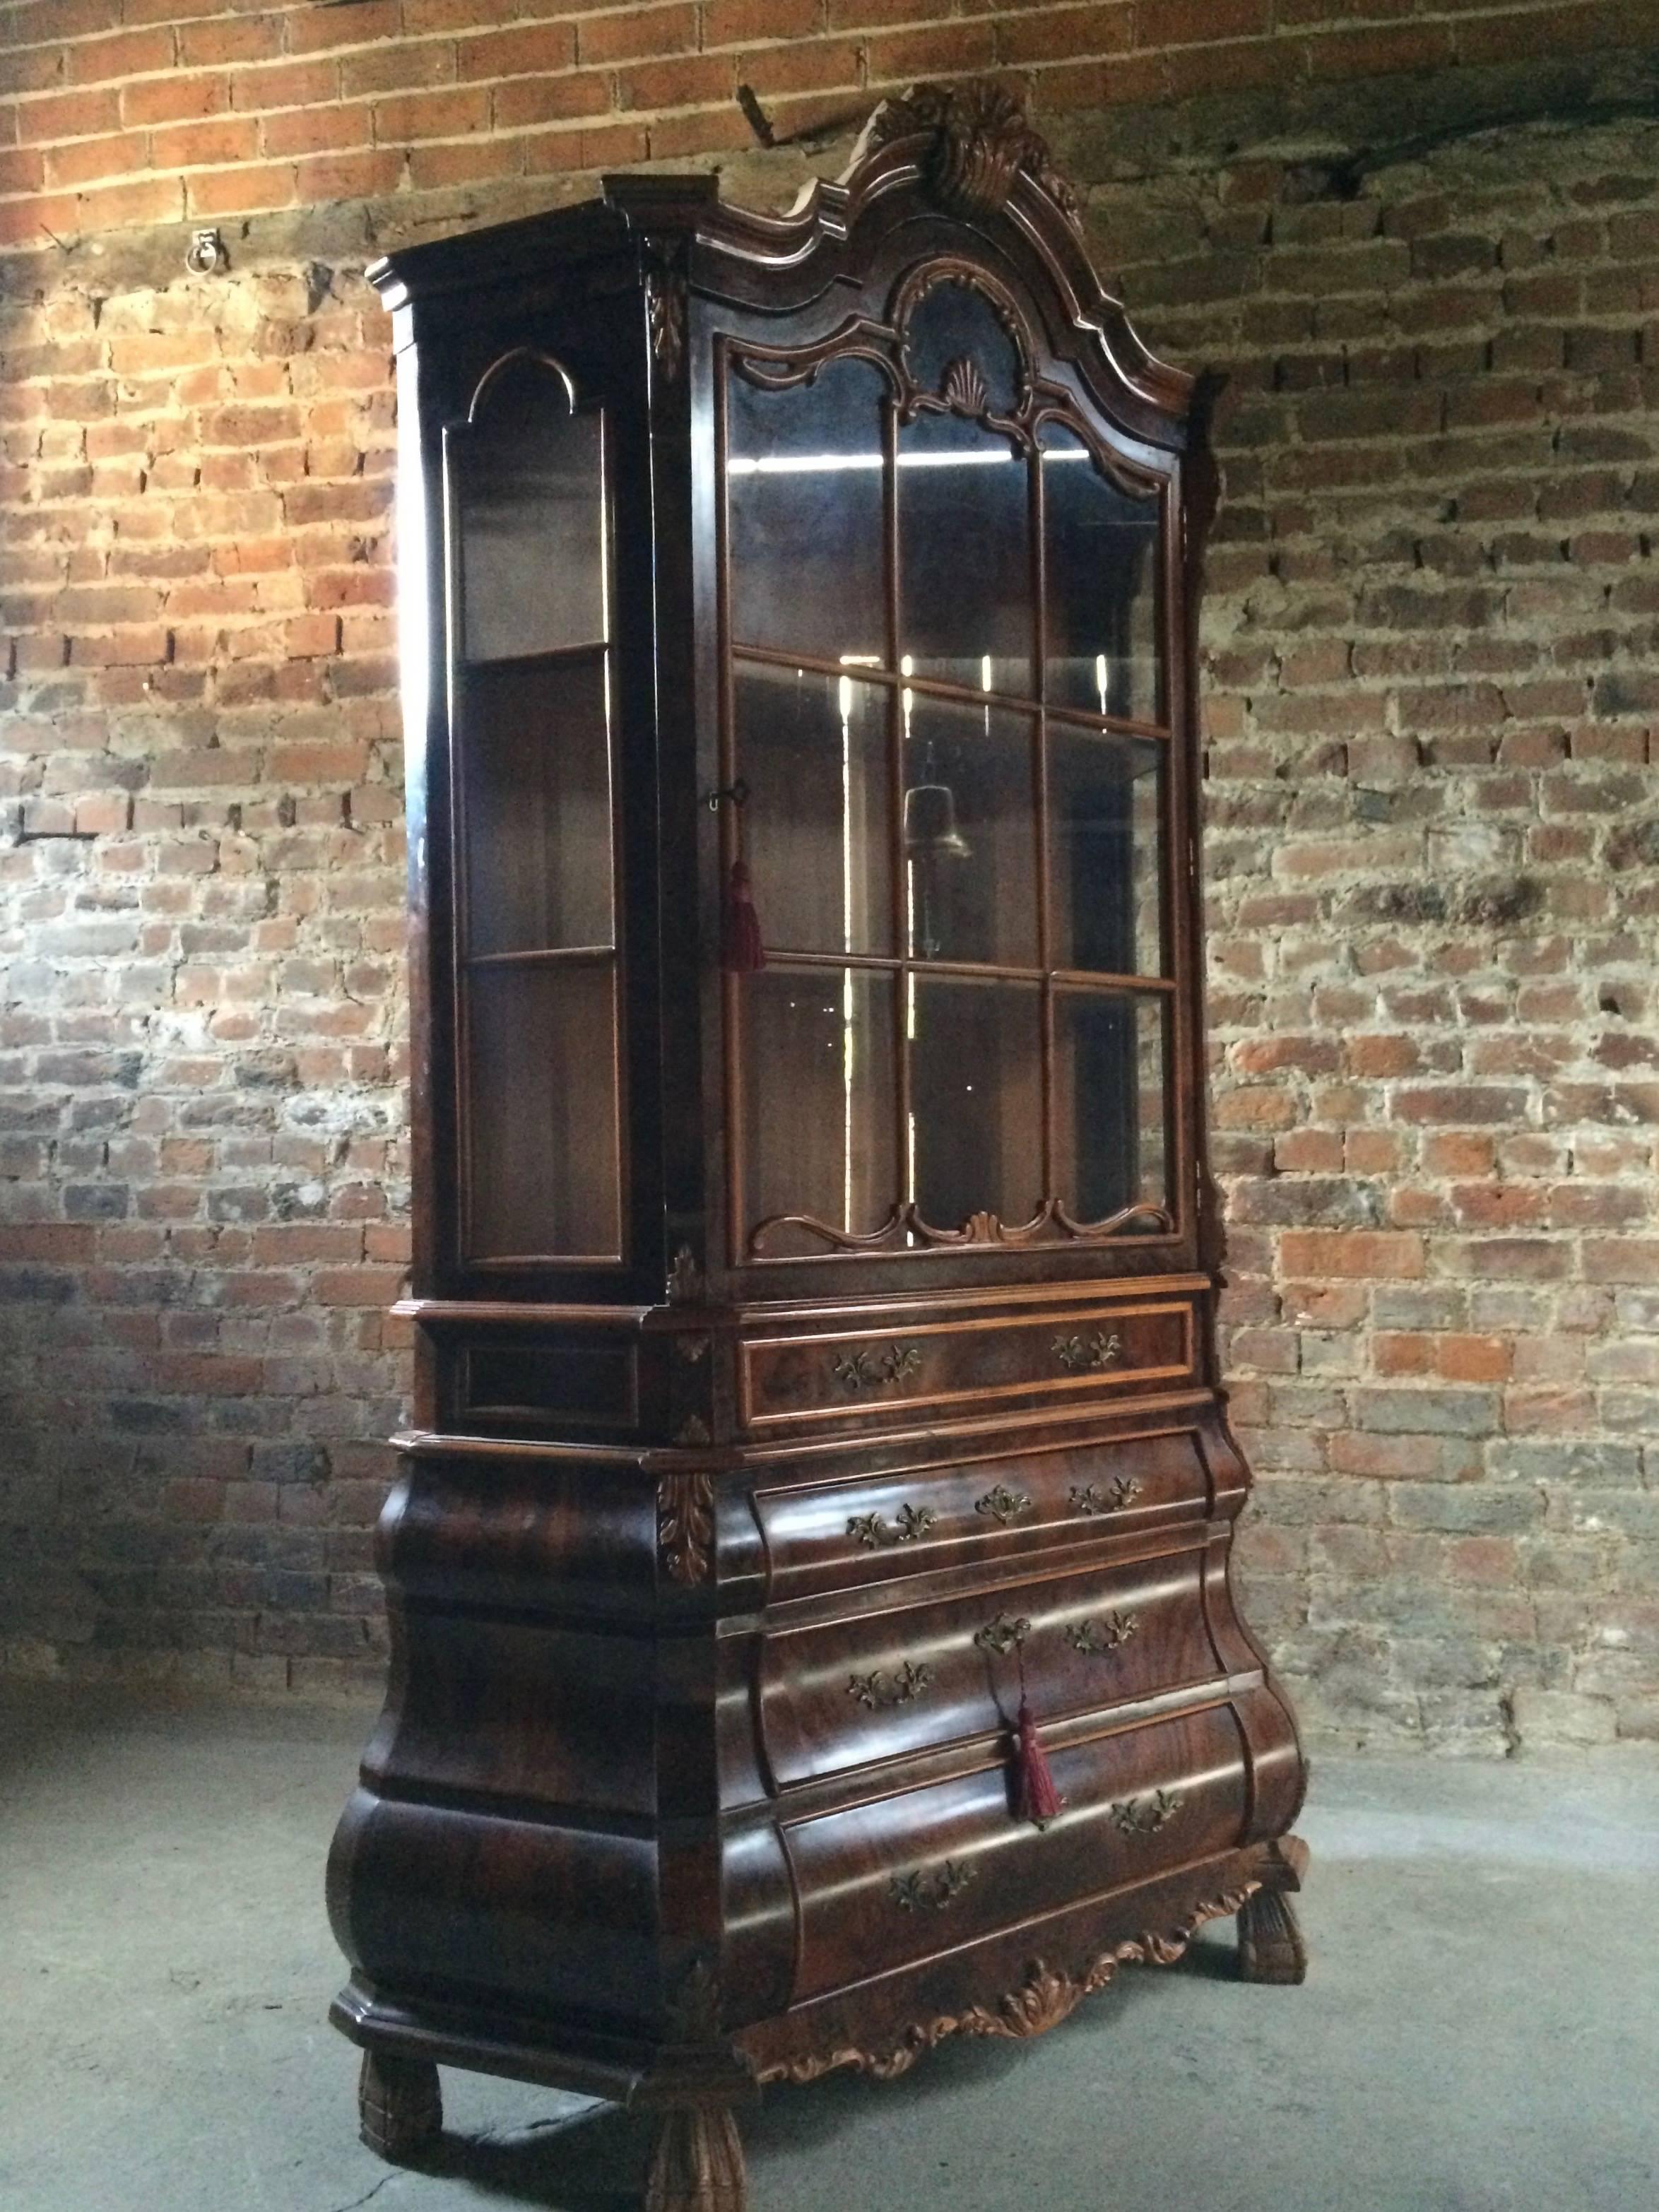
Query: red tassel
(742, 952)
(1035, 1798)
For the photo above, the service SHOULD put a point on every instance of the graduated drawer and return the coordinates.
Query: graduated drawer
(839, 1535)
(880, 1685)
(906, 1877)
(953, 1367)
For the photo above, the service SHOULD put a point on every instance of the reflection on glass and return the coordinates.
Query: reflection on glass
(821, 1135)
(813, 750)
(964, 556)
(804, 489)
(952, 336)
(1104, 800)
(1103, 587)
(975, 1098)
(1109, 1103)
(536, 805)
(530, 514)
(542, 1130)
(968, 832)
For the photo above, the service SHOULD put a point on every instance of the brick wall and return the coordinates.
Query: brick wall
(1434, 833)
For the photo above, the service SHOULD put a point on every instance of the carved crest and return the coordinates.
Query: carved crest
(666, 306)
(981, 141)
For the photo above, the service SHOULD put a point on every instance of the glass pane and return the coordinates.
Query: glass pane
(813, 751)
(542, 1111)
(952, 337)
(964, 556)
(975, 1099)
(1105, 865)
(536, 805)
(804, 480)
(1110, 1141)
(530, 512)
(820, 1135)
(970, 839)
(1104, 587)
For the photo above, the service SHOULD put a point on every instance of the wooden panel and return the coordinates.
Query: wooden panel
(580, 1385)
(886, 1684)
(842, 1535)
(959, 1365)
(906, 1876)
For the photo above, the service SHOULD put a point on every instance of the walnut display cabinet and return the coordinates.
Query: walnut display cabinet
(812, 1634)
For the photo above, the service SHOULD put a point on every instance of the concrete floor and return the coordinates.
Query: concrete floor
(1480, 2033)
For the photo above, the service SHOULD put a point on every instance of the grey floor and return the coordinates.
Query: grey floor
(1480, 2033)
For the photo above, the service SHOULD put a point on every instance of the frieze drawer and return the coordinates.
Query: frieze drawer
(883, 1684)
(956, 1366)
(839, 1535)
(906, 1877)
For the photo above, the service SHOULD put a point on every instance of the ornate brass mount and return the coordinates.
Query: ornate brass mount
(863, 1371)
(930, 1889)
(1135, 1818)
(872, 1531)
(1078, 1353)
(1002, 1503)
(899, 1688)
(1090, 1497)
(1095, 1638)
(1002, 1635)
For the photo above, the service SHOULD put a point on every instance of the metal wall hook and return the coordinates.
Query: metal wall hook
(735, 794)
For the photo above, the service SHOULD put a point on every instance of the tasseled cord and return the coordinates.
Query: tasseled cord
(1035, 1798)
(742, 952)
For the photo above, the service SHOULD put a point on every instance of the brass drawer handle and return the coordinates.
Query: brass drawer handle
(1002, 1634)
(863, 1371)
(1096, 1350)
(1090, 1497)
(1096, 1637)
(930, 1889)
(1002, 1503)
(898, 1688)
(1135, 1818)
(910, 1522)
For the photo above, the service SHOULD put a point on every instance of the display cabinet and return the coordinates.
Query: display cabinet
(812, 1635)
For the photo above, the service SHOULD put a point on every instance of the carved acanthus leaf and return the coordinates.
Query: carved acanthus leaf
(981, 142)
(685, 1526)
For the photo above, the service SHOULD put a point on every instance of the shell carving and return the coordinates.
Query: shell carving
(964, 390)
(981, 142)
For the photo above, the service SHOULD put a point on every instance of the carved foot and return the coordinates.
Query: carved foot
(696, 2162)
(1271, 1948)
(399, 2107)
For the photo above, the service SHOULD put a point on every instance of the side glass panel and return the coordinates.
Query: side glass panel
(813, 750)
(964, 556)
(975, 1098)
(821, 1114)
(1103, 612)
(1111, 1145)
(1105, 799)
(532, 773)
(804, 504)
(970, 833)
(542, 1111)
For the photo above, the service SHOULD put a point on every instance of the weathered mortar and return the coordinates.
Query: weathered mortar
(1433, 859)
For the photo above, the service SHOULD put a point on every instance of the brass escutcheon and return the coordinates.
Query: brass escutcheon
(1002, 1634)
(1094, 1638)
(862, 1370)
(1095, 1350)
(1089, 1498)
(898, 1688)
(930, 1889)
(909, 1523)
(1002, 1503)
(1135, 1818)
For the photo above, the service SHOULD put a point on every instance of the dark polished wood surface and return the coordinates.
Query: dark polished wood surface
(726, 1547)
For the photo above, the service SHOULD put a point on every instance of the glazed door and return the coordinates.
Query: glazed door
(947, 705)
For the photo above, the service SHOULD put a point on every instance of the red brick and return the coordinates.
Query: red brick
(744, 23)
(238, 191)
(1199, 22)
(402, 119)
(244, 38)
(1380, 52)
(314, 130)
(634, 32)
(526, 52)
(694, 80)
(1065, 33)
(284, 84)
(205, 145)
(1390, 1254)
(84, 160)
(315, 30)
(951, 49)
(398, 68)
(68, 115)
(135, 53)
(174, 98)
(550, 98)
